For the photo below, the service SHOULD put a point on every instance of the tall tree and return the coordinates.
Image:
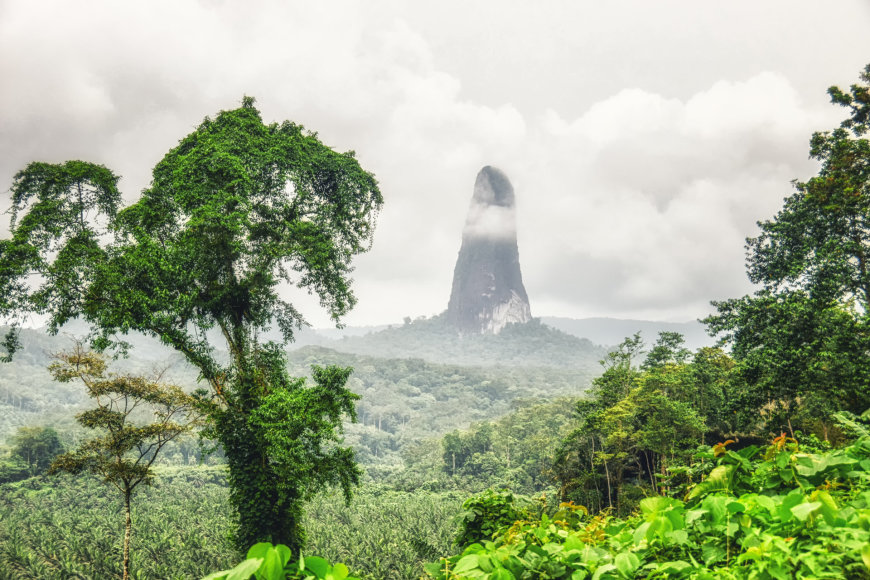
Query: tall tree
(637, 422)
(237, 209)
(36, 447)
(802, 339)
(124, 451)
(588, 447)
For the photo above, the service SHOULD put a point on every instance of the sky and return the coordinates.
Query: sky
(644, 140)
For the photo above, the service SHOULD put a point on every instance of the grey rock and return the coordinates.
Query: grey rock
(488, 291)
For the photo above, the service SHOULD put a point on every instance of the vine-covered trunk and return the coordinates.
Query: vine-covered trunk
(268, 510)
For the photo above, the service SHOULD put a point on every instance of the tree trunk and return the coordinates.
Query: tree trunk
(128, 531)
(268, 509)
(609, 493)
(649, 469)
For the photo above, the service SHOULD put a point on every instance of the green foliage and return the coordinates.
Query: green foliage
(460, 448)
(487, 514)
(407, 401)
(32, 451)
(123, 452)
(299, 426)
(65, 528)
(267, 562)
(514, 452)
(784, 513)
(639, 422)
(55, 237)
(234, 211)
(36, 447)
(518, 345)
(801, 340)
(13, 470)
(668, 349)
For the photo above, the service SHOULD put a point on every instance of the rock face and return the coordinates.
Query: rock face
(488, 290)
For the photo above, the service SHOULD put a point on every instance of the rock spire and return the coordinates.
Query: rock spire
(488, 291)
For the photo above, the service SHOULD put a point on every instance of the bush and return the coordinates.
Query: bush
(487, 514)
(780, 512)
(267, 562)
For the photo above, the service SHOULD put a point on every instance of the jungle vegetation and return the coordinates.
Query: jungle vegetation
(746, 460)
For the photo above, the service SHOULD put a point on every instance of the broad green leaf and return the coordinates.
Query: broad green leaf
(271, 568)
(466, 564)
(735, 507)
(641, 532)
(259, 550)
(318, 566)
(794, 498)
(715, 505)
(572, 542)
(675, 518)
(803, 511)
(827, 500)
(484, 562)
(339, 572)
(779, 572)
(433, 568)
(712, 553)
(626, 563)
(739, 458)
(502, 574)
(765, 502)
(284, 554)
(601, 571)
(731, 528)
(693, 515)
(245, 569)
(674, 567)
(654, 505)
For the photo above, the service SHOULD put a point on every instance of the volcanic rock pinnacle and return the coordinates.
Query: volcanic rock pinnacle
(488, 290)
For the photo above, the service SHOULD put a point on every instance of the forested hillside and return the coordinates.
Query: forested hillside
(29, 395)
(519, 345)
(404, 400)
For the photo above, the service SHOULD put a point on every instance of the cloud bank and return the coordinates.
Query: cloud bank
(632, 200)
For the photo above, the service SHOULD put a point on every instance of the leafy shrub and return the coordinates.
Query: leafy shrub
(487, 514)
(267, 562)
(780, 512)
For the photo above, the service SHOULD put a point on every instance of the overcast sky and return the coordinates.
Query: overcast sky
(643, 139)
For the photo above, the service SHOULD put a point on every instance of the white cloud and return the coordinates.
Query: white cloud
(650, 198)
(640, 159)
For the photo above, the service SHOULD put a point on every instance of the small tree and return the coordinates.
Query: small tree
(36, 447)
(124, 452)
